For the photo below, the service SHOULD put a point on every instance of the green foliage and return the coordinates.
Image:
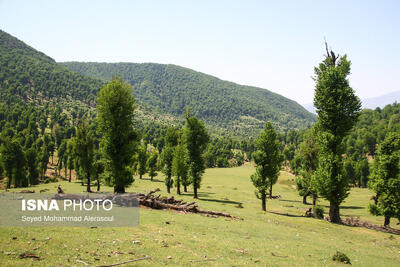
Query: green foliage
(171, 140)
(236, 109)
(371, 129)
(195, 138)
(13, 160)
(268, 159)
(31, 164)
(362, 172)
(341, 257)
(338, 109)
(308, 163)
(179, 166)
(32, 75)
(84, 151)
(115, 107)
(319, 212)
(349, 171)
(152, 164)
(385, 179)
(142, 160)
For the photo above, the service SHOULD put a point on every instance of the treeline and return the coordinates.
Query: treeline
(359, 146)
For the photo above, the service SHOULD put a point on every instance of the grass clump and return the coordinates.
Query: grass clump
(341, 257)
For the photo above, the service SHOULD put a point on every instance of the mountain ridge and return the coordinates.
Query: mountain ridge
(163, 92)
(173, 88)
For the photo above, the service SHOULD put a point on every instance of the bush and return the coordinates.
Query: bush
(341, 257)
(319, 212)
(373, 209)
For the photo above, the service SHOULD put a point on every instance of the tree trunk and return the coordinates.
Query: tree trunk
(9, 181)
(185, 188)
(376, 199)
(88, 183)
(305, 199)
(178, 186)
(151, 178)
(195, 191)
(314, 202)
(387, 221)
(65, 170)
(270, 191)
(334, 212)
(140, 176)
(119, 189)
(264, 201)
(98, 183)
(168, 189)
(70, 171)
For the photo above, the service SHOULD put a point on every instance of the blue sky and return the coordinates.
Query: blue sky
(270, 44)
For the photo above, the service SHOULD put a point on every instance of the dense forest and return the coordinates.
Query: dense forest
(240, 110)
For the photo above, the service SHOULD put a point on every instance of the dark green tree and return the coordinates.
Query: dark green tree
(180, 168)
(308, 152)
(142, 160)
(61, 154)
(71, 156)
(97, 168)
(349, 171)
(195, 138)
(166, 161)
(338, 108)
(362, 171)
(116, 107)
(84, 151)
(385, 180)
(151, 164)
(14, 162)
(32, 163)
(44, 157)
(268, 160)
(167, 155)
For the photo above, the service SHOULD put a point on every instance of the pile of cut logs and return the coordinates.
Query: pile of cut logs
(158, 202)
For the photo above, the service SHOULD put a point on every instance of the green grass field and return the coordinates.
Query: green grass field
(262, 239)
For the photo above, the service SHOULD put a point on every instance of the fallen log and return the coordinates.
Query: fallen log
(158, 202)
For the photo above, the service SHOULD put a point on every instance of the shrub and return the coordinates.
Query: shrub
(319, 212)
(341, 257)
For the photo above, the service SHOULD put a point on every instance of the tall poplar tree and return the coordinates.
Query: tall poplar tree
(171, 139)
(180, 168)
(268, 159)
(142, 160)
(195, 139)
(338, 109)
(84, 151)
(116, 107)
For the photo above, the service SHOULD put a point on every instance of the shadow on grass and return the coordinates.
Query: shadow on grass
(199, 194)
(352, 207)
(154, 180)
(293, 201)
(221, 201)
(287, 214)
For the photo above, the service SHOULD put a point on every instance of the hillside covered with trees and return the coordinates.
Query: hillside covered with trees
(242, 110)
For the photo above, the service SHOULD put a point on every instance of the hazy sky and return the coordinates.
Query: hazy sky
(270, 44)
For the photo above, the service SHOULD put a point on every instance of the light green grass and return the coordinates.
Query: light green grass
(263, 239)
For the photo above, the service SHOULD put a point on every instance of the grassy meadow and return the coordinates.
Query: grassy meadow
(176, 239)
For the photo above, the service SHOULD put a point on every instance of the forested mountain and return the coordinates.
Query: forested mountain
(31, 75)
(170, 89)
